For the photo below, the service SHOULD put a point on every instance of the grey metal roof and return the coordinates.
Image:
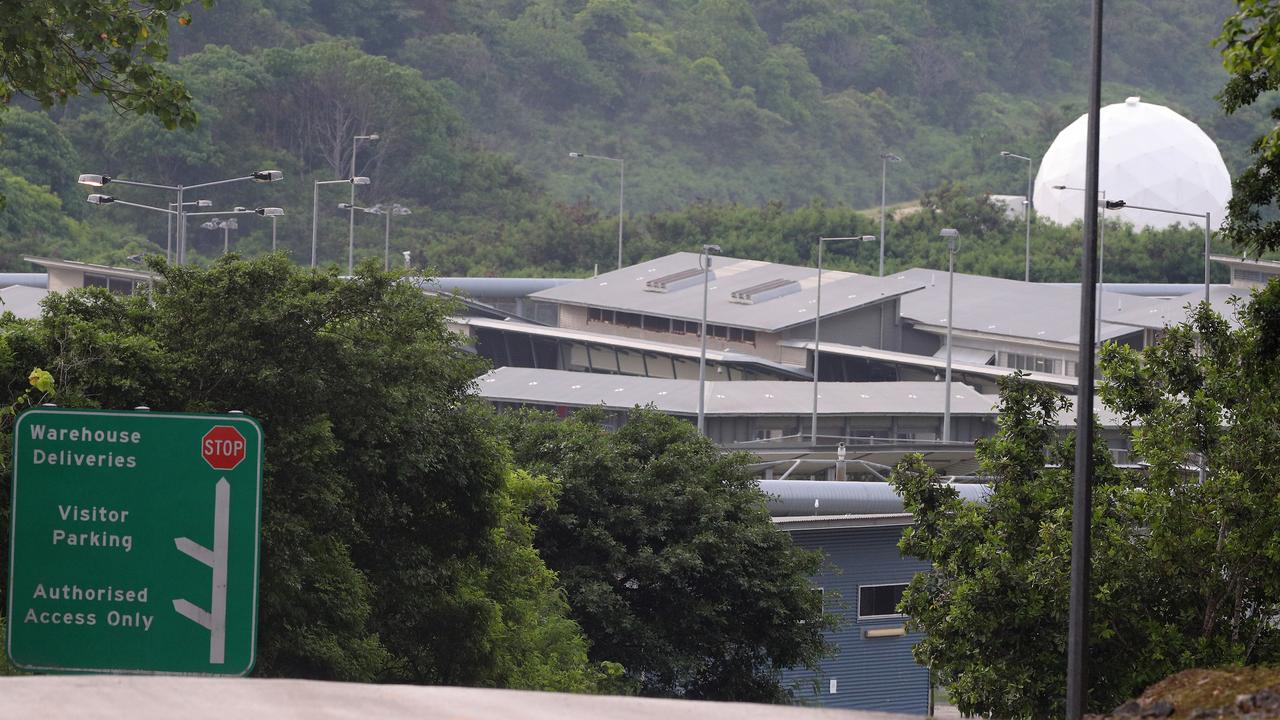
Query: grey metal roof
(819, 497)
(492, 286)
(737, 399)
(645, 346)
(1012, 308)
(626, 290)
(22, 300)
(1172, 311)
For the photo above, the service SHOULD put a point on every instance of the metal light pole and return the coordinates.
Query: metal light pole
(351, 226)
(953, 244)
(885, 159)
(622, 184)
(93, 180)
(1122, 205)
(817, 326)
(226, 226)
(702, 356)
(1082, 497)
(168, 239)
(315, 205)
(393, 209)
(1102, 245)
(1026, 209)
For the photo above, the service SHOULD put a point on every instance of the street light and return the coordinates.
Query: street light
(226, 226)
(168, 236)
(393, 209)
(885, 159)
(315, 204)
(705, 261)
(1026, 208)
(953, 244)
(622, 185)
(1122, 205)
(817, 324)
(93, 180)
(273, 213)
(1102, 244)
(351, 226)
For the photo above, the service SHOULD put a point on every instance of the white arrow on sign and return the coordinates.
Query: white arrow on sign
(215, 619)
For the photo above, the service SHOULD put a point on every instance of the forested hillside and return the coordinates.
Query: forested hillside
(754, 123)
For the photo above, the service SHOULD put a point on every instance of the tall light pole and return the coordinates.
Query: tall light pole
(273, 213)
(705, 259)
(93, 180)
(817, 327)
(388, 211)
(622, 185)
(885, 159)
(953, 244)
(351, 225)
(226, 226)
(1101, 255)
(1082, 490)
(1026, 208)
(1208, 230)
(215, 223)
(315, 205)
(168, 237)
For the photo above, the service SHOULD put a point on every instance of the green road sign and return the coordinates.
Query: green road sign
(134, 542)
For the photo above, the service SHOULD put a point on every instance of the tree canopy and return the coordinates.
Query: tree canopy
(395, 543)
(669, 558)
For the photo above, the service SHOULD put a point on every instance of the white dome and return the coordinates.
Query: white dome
(1148, 155)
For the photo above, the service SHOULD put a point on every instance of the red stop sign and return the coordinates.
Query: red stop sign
(222, 447)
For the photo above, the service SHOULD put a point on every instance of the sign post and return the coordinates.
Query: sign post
(134, 543)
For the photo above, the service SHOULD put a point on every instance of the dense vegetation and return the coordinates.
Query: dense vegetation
(758, 123)
(401, 541)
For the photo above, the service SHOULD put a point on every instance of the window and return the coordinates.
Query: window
(626, 319)
(749, 336)
(118, 286)
(657, 324)
(95, 280)
(1034, 363)
(879, 601)
(735, 334)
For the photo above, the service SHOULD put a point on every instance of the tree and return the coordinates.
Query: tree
(1249, 42)
(51, 50)
(392, 541)
(670, 561)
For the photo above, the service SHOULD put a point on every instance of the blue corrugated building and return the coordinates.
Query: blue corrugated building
(857, 526)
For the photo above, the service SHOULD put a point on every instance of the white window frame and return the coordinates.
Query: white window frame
(879, 617)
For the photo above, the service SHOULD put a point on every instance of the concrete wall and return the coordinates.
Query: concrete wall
(868, 673)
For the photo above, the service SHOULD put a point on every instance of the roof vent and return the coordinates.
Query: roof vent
(677, 280)
(764, 291)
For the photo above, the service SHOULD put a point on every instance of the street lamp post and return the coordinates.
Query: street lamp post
(1102, 245)
(953, 245)
(702, 356)
(215, 223)
(817, 326)
(315, 205)
(1026, 209)
(93, 180)
(1122, 205)
(622, 185)
(388, 211)
(226, 226)
(168, 237)
(351, 224)
(885, 159)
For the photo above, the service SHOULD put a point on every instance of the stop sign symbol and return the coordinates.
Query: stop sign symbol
(222, 447)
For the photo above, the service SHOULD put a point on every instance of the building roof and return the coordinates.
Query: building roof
(22, 300)
(769, 296)
(756, 398)
(1172, 311)
(802, 498)
(1011, 308)
(108, 270)
(618, 341)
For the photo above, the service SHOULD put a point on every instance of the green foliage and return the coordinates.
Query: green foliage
(51, 50)
(1250, 44)
(393, 542)
(669, 558)
(994, 606)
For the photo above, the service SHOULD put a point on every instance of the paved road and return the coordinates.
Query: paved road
(165, 698)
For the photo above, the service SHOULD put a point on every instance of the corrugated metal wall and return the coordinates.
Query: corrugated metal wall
(869, 673)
